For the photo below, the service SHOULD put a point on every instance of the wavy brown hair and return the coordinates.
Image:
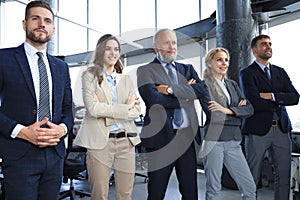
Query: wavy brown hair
(97, 61)
(207, 74)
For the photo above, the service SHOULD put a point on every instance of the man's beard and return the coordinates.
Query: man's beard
(37, 39)
(265, 57)
(166, 58)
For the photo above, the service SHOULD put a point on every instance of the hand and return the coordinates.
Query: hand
(191, 81)
(42, 137)
(30, 133)
(266, 95)
(243, 102)
(214, 106)
(50, 136)
(95, 97)
(162, 89)
(132, 100)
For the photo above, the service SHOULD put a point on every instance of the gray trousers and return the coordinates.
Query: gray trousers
(279, 145)
(230, 154)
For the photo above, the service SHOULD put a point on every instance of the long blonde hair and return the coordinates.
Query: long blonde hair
(207, 74)
(97, 68)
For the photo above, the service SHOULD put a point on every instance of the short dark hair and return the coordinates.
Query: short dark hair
(255, 39)
(38, 3)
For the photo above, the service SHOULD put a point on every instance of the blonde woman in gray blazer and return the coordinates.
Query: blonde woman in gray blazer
(108, 131)
(224, 111)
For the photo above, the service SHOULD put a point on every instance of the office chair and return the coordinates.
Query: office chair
(74, 166)
(140, 159)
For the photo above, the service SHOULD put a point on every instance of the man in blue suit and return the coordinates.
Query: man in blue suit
(169, 89)
(32, 147)
(269, 89)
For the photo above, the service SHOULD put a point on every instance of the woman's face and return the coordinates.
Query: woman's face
(219, 64)
(111, 53)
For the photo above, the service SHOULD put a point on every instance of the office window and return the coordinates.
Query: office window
(104, 16)
(207, 8)
(75, 11)
(93, 39)
(175, 14)
(137, 14)
(285, 54)
(12, 33)
(72, 39)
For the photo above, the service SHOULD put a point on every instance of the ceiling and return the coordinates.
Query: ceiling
(266, 10)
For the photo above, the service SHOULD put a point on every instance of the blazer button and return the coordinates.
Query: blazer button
(34, 111)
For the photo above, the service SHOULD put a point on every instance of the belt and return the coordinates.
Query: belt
(275, 122)
(121, 135)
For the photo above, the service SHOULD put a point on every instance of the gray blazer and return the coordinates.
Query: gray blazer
(94, 132)
(222, 127)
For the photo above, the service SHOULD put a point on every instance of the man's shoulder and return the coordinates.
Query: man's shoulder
(250, 67)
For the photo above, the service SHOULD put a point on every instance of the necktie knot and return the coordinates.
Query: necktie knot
(40, 54)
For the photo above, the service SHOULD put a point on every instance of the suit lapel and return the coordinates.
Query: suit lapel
(262, 74)
(24, 65)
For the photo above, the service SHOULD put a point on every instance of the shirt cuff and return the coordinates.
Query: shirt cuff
(16, 130)
(65, 127)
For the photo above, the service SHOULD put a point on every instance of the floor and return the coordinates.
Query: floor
(140, 190)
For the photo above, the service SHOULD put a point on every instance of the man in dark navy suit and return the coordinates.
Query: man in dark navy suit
(31, 143)
(269, 89)
(169, 89)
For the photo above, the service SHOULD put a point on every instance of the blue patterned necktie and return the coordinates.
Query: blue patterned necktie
(267, 72)
(178, 119)
(44, 107)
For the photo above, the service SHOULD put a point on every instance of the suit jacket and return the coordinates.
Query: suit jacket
(158, 130)
(253, 81)
(19, 104)
(94, 131)
(219, 126)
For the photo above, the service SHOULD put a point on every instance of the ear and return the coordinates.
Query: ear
(254, 51)
(24, 24)
(155, 48)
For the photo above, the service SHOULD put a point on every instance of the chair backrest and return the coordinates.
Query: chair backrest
(74, 162)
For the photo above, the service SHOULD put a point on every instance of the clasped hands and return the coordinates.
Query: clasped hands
(163, 88)
(42, 137)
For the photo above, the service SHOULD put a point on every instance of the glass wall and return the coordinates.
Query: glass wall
(285, 44)
(79, 24)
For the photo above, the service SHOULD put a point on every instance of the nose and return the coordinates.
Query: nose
(41, 23)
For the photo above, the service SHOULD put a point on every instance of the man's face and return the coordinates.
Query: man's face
(39, 26)
(166, 46)
(263, 49)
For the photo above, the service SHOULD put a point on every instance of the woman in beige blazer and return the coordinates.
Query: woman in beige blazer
(108, 131)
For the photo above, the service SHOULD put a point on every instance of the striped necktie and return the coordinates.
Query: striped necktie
(43, 107)
(178, 118)
(267, 72)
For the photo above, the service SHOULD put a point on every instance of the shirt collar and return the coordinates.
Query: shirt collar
(112, 75)
(263, 66)
(31, 50)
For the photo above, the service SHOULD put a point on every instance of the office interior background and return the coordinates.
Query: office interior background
(80, 23)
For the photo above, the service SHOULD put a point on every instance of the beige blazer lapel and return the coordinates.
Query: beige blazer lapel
(106, 89)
